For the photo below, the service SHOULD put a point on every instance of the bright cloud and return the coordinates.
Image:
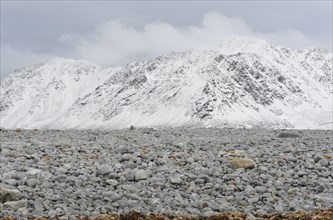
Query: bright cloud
(117, 43)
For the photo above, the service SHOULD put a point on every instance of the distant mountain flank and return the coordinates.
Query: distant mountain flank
(243, 83)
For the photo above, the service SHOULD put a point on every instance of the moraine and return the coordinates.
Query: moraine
(179, 171)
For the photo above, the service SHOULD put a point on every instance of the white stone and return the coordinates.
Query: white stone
(9, 193)
(17, 204)
(141, 175)
(33, 171)
(176, 180)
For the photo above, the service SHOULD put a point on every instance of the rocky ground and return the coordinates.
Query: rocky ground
(173, 171)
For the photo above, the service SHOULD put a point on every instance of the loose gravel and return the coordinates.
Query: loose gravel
(174, 171)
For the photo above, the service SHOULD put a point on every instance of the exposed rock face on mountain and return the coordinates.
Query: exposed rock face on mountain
(243, 83)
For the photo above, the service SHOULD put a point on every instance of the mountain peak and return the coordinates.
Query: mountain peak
(239, 44)
(67, 61)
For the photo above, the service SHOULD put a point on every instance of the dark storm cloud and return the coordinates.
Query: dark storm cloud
(114, 33)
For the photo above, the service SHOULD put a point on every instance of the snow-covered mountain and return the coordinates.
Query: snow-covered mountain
(243, 83)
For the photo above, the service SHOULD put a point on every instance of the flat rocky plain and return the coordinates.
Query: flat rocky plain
(181, 171)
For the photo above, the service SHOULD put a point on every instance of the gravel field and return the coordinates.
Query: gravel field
(174, 171)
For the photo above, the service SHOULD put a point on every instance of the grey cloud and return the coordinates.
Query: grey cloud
(13, 58)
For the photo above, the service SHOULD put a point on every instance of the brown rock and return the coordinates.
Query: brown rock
(240, 162)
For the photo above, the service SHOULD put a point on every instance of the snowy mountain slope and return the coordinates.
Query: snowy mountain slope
(246, 82)
(42, 93)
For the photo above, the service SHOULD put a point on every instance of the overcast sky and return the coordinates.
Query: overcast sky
(118, 32)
